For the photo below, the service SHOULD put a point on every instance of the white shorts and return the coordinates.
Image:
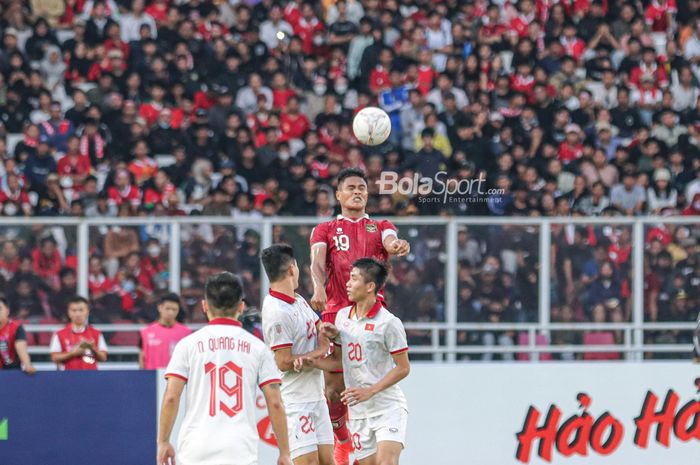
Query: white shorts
(367, 432)
(309, 425)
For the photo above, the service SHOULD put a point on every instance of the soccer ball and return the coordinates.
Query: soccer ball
(371, 126)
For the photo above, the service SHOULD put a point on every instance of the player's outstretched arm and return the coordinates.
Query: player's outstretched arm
(318, 276)
(395, 246)
(278, 420)
(168, 413)
(402, 368)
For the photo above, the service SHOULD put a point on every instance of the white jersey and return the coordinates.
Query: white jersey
(292, 323)
(367, 347)
(223, 365)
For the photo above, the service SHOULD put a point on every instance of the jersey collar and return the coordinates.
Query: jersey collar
(372, 311)
(225, 321)
(282, 297)
(364, 217)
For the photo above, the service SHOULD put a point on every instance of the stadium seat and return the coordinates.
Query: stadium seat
(600, 338)
(540, 340)
(44, 338)
(124, 338)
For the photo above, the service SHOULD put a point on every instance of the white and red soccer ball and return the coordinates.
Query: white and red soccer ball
(371, 126)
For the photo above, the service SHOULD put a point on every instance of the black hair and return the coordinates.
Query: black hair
(78, 299)
(223, 292)
(170, 297)
(276, 259)
(349, 173)
(66, 271)
(372, 270)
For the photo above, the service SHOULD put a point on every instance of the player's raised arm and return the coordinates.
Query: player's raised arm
(391, 242)
(318, 276)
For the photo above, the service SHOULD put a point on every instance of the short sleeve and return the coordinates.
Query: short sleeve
(178, 366)
(278, 330)
(21, 334)
(101, 343)
(387, 228)
(268, 372)
(395, 337)
(319, 235)
(55, 346)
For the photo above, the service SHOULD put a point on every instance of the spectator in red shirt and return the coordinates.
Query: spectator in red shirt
(14, 200)
(151, 110)
(573, 46)
(379, 76)
(159, 190)
(307, 27)
(659, 15)
(46, 260)
(492, 29)
(649, 67)
(13, 343)
(73, 165)
(143, 167)
(281, 92)
(78, 346)
(526, 14)
(571, 149)
(158, 9)
(124, 191)
(294, 123)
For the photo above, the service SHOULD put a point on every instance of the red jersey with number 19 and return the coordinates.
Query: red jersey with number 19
(223, 365)
(347, 240)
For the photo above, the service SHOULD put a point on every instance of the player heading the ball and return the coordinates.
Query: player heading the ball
(222, 365)
(290, 328)
(335, 245)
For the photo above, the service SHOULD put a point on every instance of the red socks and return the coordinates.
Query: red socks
(338, 412)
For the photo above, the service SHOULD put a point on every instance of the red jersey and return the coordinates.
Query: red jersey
(426, 74)
(143, 169)
(132, 195)
(69, 166)
(656, 14)
(306, 31)
(348, 240)
(46, 267)
(569, 153)
(294, 126)
(9, 335)
(68, 338)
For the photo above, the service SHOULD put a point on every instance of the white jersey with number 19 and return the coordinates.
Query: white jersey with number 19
(222, 364)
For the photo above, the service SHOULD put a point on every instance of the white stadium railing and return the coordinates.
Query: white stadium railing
(443, 335)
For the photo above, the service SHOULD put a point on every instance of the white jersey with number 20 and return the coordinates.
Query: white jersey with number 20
(223, 365)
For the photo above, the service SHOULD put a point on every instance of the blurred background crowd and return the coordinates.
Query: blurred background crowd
(243, 109)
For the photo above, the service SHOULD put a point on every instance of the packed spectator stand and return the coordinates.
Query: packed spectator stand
(137, 109)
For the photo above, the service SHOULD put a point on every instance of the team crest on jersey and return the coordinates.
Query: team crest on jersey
(371, 227)
(339, 230)
(278, 329)
(369, 327)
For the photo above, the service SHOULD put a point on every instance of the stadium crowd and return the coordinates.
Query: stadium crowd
(118, 108)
